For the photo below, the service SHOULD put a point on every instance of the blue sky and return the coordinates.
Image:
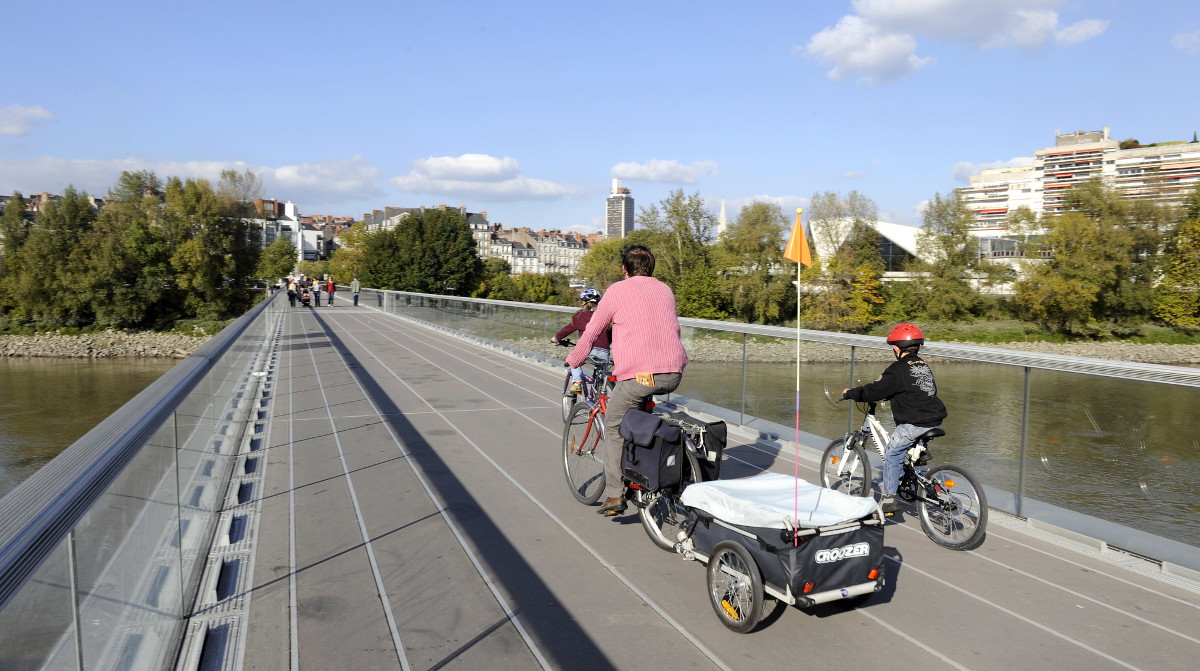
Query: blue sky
(528, 109)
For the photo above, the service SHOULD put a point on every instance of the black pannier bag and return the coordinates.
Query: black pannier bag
(712, 444)
(652, 453)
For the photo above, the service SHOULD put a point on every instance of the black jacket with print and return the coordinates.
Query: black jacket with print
(908, 384)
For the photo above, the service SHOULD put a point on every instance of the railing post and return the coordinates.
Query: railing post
(1024, 438)
(850, 383)
(742, 420)
(74, 572)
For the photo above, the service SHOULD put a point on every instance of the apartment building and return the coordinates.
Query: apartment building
(1163, 172)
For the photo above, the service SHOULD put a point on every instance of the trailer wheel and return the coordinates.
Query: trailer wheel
(735, 587)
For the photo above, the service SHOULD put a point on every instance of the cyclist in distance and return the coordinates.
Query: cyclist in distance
(579, 322)
(647, 349)
(908, 384)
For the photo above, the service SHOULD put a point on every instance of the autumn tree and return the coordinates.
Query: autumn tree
(843, 288)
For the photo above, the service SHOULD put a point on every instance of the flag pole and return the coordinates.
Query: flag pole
(797, 250)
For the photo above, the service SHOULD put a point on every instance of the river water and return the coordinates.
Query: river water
(47, 404)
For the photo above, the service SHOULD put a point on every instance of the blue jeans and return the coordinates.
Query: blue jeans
(597, 353)
(902, 439)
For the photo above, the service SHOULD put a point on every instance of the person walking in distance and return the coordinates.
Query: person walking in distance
(331, 289)
(646, 347)
(355, 287)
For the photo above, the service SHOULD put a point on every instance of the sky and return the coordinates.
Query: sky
(528, 110)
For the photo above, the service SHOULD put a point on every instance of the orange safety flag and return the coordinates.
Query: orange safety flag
(797, 246)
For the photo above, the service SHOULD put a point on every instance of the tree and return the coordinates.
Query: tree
(753, 278)
(1062, 292)
(427, 252)
(843, 288)
(278, 260)
(346, 261)
(678, 229)
(51, 261)
(601, 266)
(1177, 297)
(14, 229)
(942, 288)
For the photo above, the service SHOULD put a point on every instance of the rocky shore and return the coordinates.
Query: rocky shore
(723, 350)
(100, 345)
(173, 345)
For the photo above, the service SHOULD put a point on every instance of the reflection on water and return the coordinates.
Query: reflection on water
(1114, 449)
(47, 404)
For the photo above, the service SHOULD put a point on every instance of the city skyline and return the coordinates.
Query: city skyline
(474, 104)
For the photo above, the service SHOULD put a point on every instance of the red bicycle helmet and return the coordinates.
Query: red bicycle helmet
(905, 335)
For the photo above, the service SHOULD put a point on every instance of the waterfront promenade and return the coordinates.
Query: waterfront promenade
(407, 511)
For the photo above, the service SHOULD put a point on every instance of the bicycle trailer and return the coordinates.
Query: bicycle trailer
(743, 530)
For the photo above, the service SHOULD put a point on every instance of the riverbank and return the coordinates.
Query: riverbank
(717, 350)
(102, 345)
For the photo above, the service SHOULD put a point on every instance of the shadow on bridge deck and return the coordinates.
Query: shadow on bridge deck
(411, 513)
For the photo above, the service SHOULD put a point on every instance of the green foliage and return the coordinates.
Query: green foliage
(843, 292)
(277, 260)
(1177, 301)
(346, 261)
(429, 252)
(754, 281)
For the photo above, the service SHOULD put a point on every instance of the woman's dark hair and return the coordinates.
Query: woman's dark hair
(637, 260)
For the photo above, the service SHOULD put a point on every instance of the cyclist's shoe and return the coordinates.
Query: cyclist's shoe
(888, 504)
(612, 507)
(575, 388)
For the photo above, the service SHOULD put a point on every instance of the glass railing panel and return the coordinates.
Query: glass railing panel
(37, 625)
(1110, 449)
(128, 561)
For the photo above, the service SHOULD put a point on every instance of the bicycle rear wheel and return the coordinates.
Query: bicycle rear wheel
(662, 515)
(846, 468)
(583, 454)
(957, 517)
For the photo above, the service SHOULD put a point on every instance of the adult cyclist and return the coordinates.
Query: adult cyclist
(647, 349)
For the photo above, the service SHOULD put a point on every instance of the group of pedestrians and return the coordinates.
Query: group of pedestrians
(307, 290)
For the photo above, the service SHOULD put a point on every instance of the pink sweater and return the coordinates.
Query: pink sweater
(645, 329)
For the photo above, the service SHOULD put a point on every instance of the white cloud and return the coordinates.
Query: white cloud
(878, 43)
(1188, 43)
(963, 170)
(326, 181)
(857, 48)
(479, 175)
(19, 120)
(671, 172)
(852, 174)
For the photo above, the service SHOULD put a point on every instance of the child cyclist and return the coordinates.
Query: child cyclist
(908, 384)
(579, 321)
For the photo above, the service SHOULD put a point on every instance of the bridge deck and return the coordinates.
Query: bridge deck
(413, 515)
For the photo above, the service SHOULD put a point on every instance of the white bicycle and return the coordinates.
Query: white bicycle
(950, 502)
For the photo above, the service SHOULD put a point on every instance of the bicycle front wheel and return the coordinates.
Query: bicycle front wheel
(583, 454)
(846, 468)
(954, 513)
(663, 515)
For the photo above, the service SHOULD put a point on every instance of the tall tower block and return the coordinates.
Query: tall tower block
(619, 213)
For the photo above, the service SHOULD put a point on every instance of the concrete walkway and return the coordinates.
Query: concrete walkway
(413, 515)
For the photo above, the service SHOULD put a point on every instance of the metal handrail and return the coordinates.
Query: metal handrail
(37, 515)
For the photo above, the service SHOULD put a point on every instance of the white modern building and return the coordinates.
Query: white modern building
(1164, 172)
